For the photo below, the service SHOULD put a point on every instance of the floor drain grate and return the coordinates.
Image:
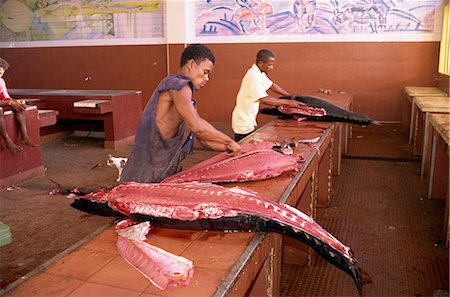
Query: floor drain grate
(388, 159)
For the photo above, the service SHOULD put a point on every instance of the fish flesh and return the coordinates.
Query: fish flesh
(202, 206)
(257, 162)
(162, 268)
(319, 110)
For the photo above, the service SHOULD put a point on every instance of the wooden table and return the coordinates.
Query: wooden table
(118, 110)
(299, 190)
(410, 93)
(438, 181)
(238, 264)
(425, 106)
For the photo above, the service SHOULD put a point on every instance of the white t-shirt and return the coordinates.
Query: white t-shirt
(254, 86)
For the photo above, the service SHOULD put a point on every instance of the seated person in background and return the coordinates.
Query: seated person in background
(170, 120)
(253, 91)
(7, 103)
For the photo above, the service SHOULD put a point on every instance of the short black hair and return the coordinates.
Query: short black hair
(198, 53)
(4, 64)
(263, 55)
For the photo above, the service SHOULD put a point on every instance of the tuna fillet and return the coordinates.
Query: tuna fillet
(258, 162)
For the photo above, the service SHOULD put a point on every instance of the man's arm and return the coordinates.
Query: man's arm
(272, 101)
(279, 90)
(216, 146)
(276, 101)
(204, 131)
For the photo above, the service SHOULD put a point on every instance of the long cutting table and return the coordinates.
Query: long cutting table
(226, 263)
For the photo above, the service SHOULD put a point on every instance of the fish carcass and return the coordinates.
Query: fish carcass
(257, 162)
(320, 110)
(200, 206)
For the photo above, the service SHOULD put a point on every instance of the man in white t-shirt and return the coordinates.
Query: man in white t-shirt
(254, 87)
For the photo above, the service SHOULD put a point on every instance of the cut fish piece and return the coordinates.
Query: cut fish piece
(258, 162)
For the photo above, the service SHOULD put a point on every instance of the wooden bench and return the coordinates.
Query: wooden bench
(47, 117)
(118, 110)
(410, 94)
(423, 107)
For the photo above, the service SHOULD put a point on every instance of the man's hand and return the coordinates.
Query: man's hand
(296, 104)
(233, 148)
(17, 106)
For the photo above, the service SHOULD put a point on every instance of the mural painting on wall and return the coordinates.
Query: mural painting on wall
(266, 17)
(42, 20)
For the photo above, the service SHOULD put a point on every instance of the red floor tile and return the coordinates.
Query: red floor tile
(97, 290)
(44, 284)
(80, 264)
(104, 242)
(204, 283)
(119, 273)
(172, 240)
(214, 255)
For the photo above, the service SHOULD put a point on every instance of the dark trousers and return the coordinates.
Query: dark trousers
(238, 137)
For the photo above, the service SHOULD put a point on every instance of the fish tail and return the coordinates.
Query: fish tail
(360, 277)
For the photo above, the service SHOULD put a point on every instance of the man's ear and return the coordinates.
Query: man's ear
(190, 63)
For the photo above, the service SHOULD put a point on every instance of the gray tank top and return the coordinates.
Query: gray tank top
(153, 158)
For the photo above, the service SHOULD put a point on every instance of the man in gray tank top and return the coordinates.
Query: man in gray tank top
(170, 120)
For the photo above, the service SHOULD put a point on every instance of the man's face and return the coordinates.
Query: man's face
(2, 71)
(199, 72)
(267, 65)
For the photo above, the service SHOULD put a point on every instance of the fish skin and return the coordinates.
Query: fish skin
(333, 112)
(234, 218)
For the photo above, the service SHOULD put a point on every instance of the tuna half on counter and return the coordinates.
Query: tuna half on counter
(200, 206)
(257, 162)
(319, 110)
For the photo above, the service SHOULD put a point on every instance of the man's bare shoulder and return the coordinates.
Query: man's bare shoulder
(169, 99)
(184, 94)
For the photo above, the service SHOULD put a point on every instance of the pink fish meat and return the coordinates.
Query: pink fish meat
(303, 110)
(258, 162)
(199, 206)
(163, 269)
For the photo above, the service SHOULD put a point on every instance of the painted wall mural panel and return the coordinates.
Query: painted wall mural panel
(304, 17)
(59, 20)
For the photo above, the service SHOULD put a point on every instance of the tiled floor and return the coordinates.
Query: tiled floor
(378, 208)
